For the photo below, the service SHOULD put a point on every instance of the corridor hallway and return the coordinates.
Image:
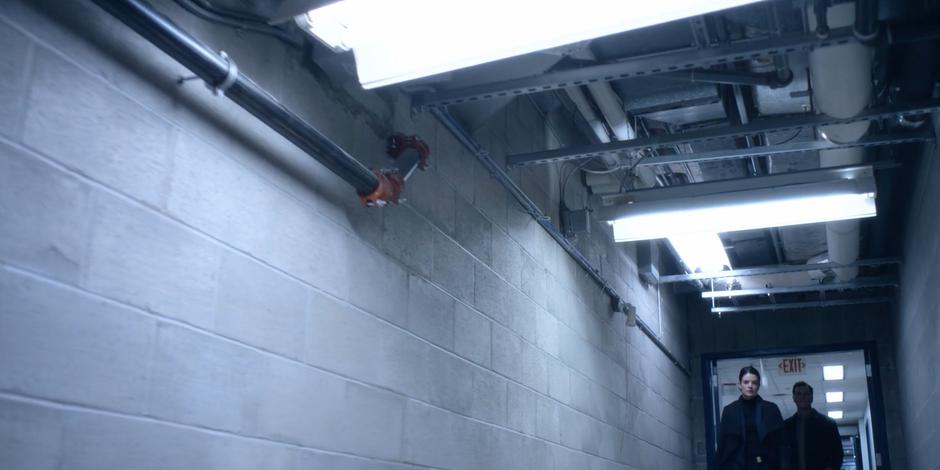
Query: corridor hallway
(374, 235)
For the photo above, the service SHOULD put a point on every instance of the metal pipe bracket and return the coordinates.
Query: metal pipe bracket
(231, 75)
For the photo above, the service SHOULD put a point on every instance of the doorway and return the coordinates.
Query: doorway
(846, 386)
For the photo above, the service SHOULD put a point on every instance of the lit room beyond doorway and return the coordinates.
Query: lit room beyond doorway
(843, 389)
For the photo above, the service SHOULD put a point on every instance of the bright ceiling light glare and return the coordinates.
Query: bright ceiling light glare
(701, 252)
(331, 24)
(837, 414)
(833, 372)
(834, 397)
(407, 39)
(744, 215)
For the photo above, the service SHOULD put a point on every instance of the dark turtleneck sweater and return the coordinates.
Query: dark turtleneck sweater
(751, 429)
(751, 439)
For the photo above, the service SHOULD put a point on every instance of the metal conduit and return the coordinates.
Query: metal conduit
(529, 206)
(222, 75)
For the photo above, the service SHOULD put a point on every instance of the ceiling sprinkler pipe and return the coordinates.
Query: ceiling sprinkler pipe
(842, 88)
(841, 74)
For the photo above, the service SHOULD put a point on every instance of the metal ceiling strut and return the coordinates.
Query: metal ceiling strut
(757, 126)
(774, 269)
(670, 62)
(795, 147)
(221, 74)
(792, 305)
(467, 140)
(858, 283)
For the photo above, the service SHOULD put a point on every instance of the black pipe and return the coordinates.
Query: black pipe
(215, 70)
(866, 20)
(529, 206)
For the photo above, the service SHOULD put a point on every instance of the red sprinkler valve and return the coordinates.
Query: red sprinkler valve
(409, 152)
(398, 143)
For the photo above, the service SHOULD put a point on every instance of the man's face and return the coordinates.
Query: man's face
(802, 397)
(749, 385)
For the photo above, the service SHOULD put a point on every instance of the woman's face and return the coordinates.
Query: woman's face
(749, 385)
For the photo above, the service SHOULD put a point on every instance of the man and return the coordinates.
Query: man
(814, 439)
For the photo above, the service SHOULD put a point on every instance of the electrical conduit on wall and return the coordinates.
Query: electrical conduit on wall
(532, 209)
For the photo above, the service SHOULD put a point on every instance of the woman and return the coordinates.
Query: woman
(751, 436)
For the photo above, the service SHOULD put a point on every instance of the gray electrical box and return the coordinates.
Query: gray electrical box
(575, 222)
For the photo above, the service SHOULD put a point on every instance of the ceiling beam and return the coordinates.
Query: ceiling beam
(757, 126)
(856, 284)
(795, 147)
(792, 305)
(609, 210)
(681, 60)
(775, 269)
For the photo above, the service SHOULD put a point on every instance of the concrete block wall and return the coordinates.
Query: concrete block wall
(180, 287)
(793, 329)
(917, 317)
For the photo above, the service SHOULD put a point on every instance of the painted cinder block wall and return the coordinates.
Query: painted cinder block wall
(180, 287)
(917, 316)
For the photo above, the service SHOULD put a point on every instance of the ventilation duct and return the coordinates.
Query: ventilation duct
(842, 88)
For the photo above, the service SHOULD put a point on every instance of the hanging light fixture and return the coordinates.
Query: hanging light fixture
(396, 41)
(745, 204)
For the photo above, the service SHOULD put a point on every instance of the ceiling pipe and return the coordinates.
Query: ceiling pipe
(608, 101)
(221, 74)
(842, 88)
(612, 108)
(583, 105)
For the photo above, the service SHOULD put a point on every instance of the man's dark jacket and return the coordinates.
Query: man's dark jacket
(731, 440)
(822, 441)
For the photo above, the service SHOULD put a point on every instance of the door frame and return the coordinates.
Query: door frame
(875, 397)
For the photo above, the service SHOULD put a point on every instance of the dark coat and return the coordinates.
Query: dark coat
(823, 444)
(773, 445)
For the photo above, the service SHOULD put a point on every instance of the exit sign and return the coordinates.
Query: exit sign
(792, 365)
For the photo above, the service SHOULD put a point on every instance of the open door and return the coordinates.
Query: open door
(846, 387)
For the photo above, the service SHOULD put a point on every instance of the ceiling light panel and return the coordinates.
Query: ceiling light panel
(701, 252)
(735, 205)
(835, 372)
(834, 397)
(745, 216)
(836, 414)
(408, 39)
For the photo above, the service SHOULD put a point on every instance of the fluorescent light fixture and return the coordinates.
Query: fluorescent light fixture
(834, 397)
(701, 252)
(408, 39)
(744, 215)
(720, 207)
(837, 414)
(833, 372)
